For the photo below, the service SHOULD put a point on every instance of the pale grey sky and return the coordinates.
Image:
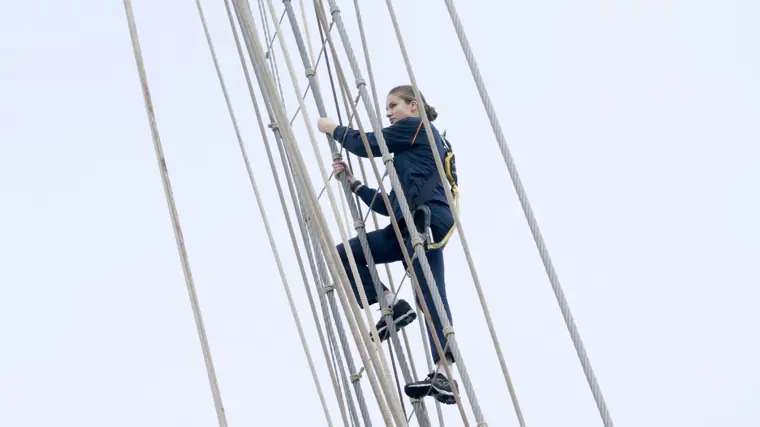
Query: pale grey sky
(634, 128)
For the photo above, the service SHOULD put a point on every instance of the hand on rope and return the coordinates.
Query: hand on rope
(326, 125)
(341, 167)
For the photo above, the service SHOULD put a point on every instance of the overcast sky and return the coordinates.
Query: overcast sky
(634, 128)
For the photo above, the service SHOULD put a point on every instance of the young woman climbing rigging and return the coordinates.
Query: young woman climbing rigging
(407, 140)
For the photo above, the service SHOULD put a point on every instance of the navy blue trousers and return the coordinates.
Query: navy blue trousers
(385, 248)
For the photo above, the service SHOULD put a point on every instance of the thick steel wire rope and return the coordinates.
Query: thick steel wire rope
(530, 217)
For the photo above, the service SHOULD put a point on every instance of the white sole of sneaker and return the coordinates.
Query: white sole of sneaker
(400, 320)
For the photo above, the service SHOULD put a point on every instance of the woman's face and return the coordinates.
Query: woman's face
(397, 109)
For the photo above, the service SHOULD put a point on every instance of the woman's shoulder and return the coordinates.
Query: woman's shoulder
(412, 124)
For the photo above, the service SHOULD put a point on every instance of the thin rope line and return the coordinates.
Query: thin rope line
(271, 42)
(178, 235)
(272, 242)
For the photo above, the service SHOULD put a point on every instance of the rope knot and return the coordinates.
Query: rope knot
(387, 311)
(310, 72)
(358, 224)
(357, 376)
(360, 82)
(448, 330)
(387, 158)
(274, 126)
(337, 157)
(334, 9)
(417, 240)
(328, 288)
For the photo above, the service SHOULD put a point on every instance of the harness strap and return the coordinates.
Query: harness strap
(426, 191)
(417, 204)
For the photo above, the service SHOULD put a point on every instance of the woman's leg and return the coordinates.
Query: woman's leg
(436, 384)
(384, 249)
(435, 259)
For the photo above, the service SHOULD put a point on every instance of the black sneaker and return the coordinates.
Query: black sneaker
(436, 385)
(403, 314)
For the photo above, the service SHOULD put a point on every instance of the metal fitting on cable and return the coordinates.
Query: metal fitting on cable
(273, 126)
(360, 82)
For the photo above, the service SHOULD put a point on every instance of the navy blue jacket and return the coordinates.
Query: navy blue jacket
(412, 158)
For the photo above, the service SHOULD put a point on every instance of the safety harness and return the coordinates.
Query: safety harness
(418, 203)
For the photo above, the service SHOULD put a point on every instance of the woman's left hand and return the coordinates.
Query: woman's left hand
(326, 125)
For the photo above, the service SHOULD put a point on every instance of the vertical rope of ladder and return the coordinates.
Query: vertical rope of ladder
(388, 159)
(174, 215)
(530, 217)
(349, 112)
(321, 278)
(339, 275)
(460, 228)
(376, 99)
(359, 223)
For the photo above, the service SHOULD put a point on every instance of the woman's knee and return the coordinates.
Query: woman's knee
(342, 252)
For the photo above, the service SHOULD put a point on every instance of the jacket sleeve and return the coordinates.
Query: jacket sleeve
(398, 137)
(374, 199)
